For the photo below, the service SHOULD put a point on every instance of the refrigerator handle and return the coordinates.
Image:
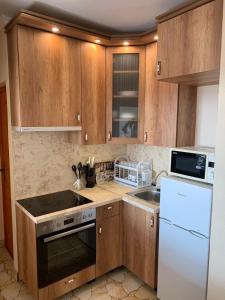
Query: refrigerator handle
(197, 234)
(166, 220)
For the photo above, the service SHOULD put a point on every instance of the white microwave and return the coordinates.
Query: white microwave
(195, 163)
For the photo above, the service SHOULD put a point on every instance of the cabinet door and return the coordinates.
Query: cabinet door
(190, 43)
(50, 79)
(140, 242)
(161, 105)
(107, 245)
(125, 94)
(93, 93)
(134, 222)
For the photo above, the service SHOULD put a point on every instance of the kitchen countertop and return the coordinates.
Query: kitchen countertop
(102, 194)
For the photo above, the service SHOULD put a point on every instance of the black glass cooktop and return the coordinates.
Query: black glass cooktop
(45, 204)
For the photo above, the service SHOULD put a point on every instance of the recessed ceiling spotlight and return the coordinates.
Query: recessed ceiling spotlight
(97, 41)
(126, 43)
(55, 29)
(156, 37)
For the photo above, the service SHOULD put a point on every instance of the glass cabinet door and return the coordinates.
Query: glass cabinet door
(125, 97)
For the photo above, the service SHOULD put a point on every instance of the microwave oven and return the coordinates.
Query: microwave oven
(195, 163)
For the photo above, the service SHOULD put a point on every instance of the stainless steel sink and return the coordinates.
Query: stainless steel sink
(150, 194)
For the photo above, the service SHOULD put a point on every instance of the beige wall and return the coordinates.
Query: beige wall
(216, 287)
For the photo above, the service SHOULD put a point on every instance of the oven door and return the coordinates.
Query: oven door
(188, 164)
(65, 252)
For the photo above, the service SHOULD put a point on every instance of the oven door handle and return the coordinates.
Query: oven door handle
(63, 234)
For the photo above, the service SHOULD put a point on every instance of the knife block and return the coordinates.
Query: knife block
(90, 177)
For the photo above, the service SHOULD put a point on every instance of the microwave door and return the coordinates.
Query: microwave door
(188, 164)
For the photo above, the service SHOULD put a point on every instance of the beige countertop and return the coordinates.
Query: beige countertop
(100, 195)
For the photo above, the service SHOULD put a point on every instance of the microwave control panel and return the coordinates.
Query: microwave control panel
(210, 168)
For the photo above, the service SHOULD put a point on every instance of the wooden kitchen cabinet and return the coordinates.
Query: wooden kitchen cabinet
(140, 243)
(93, 93)
(45, 78)
(108, 246)
(170, 109)
(125, 82)
(189, 44)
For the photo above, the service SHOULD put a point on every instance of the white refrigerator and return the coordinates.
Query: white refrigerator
(185, 217)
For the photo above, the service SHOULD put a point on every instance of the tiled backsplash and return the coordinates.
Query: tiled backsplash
(158, 155)
(42, 161)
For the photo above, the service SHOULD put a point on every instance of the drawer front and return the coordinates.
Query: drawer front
(70, 283)
(108, 210)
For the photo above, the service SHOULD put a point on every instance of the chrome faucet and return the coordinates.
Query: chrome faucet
(154, 182)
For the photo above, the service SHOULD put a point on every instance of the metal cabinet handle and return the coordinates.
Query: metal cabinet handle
(86, 137)
(152, 221)
(109, 207)
(109, 136)
(78, 117)
(70, 281)
(158, 69)
(146, 136)
(100, 230)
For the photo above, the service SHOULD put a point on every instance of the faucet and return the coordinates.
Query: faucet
(154, 182)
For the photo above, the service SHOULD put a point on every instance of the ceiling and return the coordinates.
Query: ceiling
(109, 16)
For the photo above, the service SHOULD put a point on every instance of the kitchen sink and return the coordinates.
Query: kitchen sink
(150, 194)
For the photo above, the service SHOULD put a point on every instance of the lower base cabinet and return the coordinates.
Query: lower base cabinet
(140, 243)
(108, 244)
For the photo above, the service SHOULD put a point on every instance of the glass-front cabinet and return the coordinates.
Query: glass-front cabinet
(125, 94)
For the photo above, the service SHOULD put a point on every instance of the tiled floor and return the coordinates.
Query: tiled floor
(119, 284)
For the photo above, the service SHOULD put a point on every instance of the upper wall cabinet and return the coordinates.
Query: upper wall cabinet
(93, 93)
(125, 82)
(45, 78)
(170, 109)
(189, 44)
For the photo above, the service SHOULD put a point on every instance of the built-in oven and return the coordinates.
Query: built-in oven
(193, 163)
(65, 245)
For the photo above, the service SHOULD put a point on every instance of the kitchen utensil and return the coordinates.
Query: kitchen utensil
(74, 168)
(79, 167)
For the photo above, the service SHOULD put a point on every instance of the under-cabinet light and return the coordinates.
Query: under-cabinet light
(55, 29)
(126, 43)
(97, 41)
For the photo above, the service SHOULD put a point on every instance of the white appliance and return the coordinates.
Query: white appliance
(195, 163)
(185, 216)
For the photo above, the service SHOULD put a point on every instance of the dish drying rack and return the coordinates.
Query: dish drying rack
(137, 174)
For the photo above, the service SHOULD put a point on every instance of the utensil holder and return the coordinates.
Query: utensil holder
(90, 177)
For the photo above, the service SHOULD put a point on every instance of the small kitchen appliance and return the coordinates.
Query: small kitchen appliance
(195, 163)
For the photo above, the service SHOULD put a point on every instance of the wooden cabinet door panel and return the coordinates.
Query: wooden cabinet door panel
(161, 102)
(108, 245)
(190, 43)
(134, 222)
(50, 78)
(93, 93)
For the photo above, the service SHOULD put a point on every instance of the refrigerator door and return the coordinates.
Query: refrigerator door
(186, 203)
(183, 264)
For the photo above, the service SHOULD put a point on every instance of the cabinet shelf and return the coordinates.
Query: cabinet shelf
(125, 97)
(126, 72)
(125, 120)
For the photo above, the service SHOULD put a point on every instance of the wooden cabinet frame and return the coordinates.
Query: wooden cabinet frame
(109, 96)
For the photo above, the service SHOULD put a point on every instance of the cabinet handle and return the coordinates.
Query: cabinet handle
(100, 230)
(158, 69)
(70, 281)
(146, 136)
(152, 222)
(86, 137)
(78, 117)
(109, 136)
(109, 207)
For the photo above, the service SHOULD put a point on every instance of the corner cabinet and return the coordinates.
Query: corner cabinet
(170, 109)
(189, 44)
(125, 84)
(45, 78)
